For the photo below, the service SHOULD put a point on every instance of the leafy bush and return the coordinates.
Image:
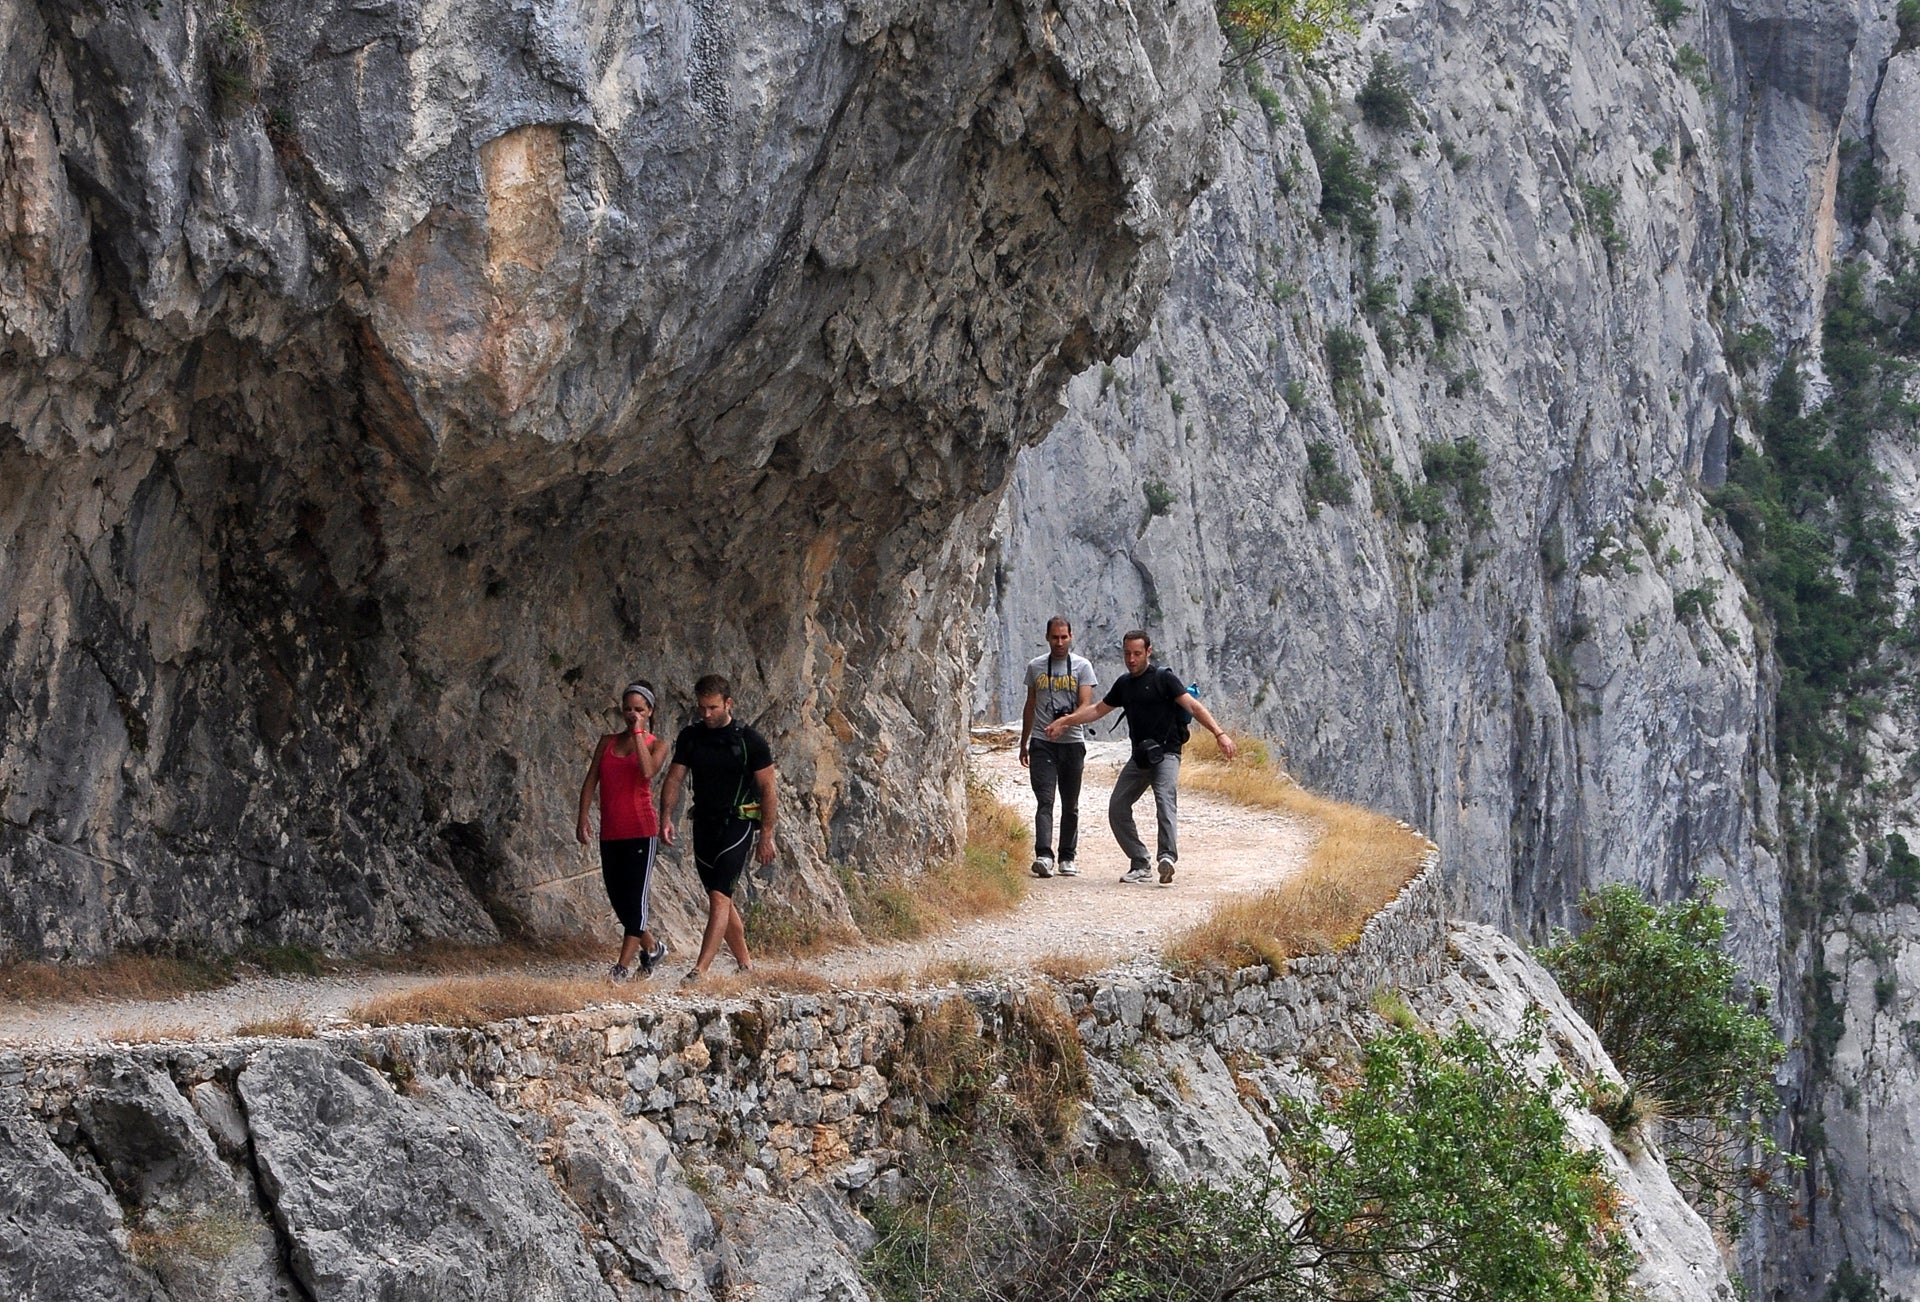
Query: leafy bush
(1443, 307)
(1159, 497)
(1602, 203)
(1812, 515)
(1385, 99)
(1749, 347)
(1256, 29)
(1657, 986)
(1443, 1172)
(1669, 12)
(1325, 480)
(1346, 359)
(1346, 189)
(1462, 465)
(1907, 15)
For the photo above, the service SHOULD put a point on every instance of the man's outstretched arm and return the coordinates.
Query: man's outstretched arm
(1085, 714)
(1191, 704)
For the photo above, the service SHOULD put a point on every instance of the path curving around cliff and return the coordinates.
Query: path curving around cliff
(1082, 922)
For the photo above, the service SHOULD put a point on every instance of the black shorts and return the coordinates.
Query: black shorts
(627, 869)
(721, 851)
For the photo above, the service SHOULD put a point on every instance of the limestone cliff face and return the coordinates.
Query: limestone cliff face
(1571, 684)
(382, 386)
(1515, 675)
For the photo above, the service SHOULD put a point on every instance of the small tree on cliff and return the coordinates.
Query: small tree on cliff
(1257, 29)
(1657, 985)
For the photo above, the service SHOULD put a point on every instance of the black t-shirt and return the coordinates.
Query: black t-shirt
(1148, 698)
(722, 762)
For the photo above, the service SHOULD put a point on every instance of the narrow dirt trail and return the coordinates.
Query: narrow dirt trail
(1093, 919)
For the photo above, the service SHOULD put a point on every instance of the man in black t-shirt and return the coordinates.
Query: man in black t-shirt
(733, 807)
(1154, 699)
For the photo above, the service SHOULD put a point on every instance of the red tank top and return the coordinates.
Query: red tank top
(626, 797)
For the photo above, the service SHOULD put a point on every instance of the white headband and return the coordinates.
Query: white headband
(636, 687)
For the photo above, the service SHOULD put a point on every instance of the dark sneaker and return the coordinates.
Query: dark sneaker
(1166, 871)
(649, 958)
(692, 978)
(1068, 868)
(619, 975)
(1042, 866)
(1137, 876)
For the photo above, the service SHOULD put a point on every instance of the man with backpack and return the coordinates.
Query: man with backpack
(1157, 705)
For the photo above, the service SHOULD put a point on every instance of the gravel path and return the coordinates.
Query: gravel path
(1092, 919)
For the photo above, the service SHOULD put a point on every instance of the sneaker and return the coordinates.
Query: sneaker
(619, 975)
(1042, 866)
(692, 977)
(649, 958)
(1166, 870)
(1137, 876)
(1067, 868)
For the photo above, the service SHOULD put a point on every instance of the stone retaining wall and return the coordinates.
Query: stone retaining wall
(776, 1088)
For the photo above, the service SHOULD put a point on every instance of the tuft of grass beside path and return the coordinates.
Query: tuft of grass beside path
(1359, 863)
(132, 976)
(988, 877)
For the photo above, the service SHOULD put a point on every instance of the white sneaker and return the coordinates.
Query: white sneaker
(1067, 868)
(1166, 871)
(1137, 876)
(1042, 866)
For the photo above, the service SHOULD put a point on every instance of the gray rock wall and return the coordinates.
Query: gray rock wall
(382, 388)
(514, 1160)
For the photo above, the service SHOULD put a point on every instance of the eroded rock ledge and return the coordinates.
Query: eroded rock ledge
(669, 1151)
(384, 385)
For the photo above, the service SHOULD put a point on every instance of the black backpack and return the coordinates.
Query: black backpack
(1182, 727)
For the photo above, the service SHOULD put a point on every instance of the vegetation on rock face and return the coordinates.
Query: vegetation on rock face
(1441, 1170)
(1657, 985)
(1385, 98)
(1256, 29)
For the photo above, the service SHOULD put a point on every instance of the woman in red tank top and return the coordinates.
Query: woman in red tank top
(623, 769)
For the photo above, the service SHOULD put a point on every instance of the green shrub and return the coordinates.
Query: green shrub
(1749, 347)
(1443, 307)
(1256, 29)
(1907, 15)
(1689, 602)
(1442, 1172)
(1346, 189)
(1462, 465)
(1385, 99)
(1159, 497)
(1346, 359)
(1669, 12)
(1662, 158)
(1325, 482)
(1692, 65)
(1657, 986)
(1602, 203)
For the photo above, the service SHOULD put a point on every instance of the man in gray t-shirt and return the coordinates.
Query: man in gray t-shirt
(1058, 683)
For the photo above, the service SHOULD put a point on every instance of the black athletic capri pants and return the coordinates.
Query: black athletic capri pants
(721, 850)
(627, 869)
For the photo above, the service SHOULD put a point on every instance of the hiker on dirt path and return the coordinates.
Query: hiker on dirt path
(1058, 683)
(733, 811)
(1156, 702)
(622, 771)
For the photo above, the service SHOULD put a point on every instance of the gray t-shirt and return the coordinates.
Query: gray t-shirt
(1057, 681)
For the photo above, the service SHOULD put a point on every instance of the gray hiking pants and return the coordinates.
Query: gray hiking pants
(1133, 782)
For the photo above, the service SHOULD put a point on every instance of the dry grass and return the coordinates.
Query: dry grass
(292, 1024)
(1068, 966)
(790, 980)
(1359, 863)
(987, 878)
(948, 971)
(173, 1033)
(124, 976)
(476, 1001)
(150, 976)
(212, 1236)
